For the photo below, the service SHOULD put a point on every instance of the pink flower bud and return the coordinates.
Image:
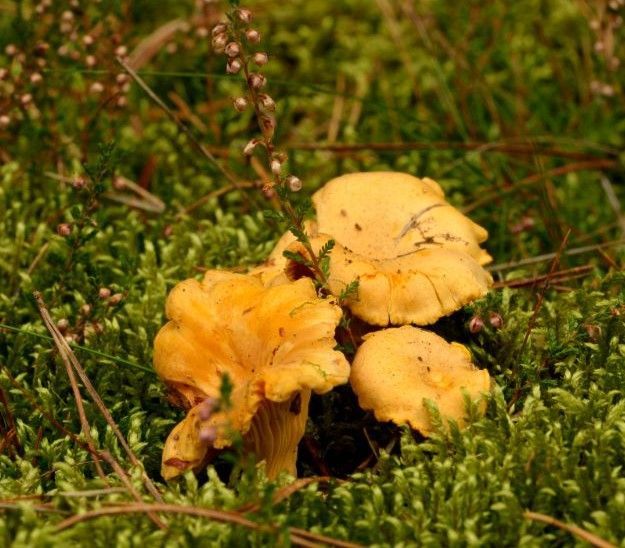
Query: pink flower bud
(240, 104)
(87, 40)
(256, 80)
(36, 78)
(10, 50)
(78, 183)
(219, 28)
(294, 183)
(244, 15)
(260, 58)
(495, 320)
(121, 51)
(96, 88)
(62, 325)
(208, 434)
(67, 16)
(121, 78)
(276, 166)
(249, 148)
(104, 293)
(252, 36)
(64, 230)
(201, 32)
(5, 121)
(206, 408)
(268, 125)
(85, 309)
(115, 299)
(219, 42)
(266, 102)
(232, 49)
(3, 73)
(90, 61)
(476, 324)
(234, 66)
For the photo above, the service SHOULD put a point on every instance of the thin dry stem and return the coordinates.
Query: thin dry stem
(575, 530)
(65, 349)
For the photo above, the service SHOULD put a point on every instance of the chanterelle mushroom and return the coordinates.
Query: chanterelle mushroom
(396, 369)
(416, 257)
(384, 215)
(275, 344)
(418, 288)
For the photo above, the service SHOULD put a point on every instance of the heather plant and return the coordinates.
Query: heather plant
(106, 203)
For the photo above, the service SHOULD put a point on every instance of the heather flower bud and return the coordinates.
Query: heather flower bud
(256, 80)
(201, 32)
(232, 49)
(67, 16)
(260, 58)
(116, 299)
(5, 121)
(219, 28)
(244, 15)
(121, 51)
(268, 125)
(294, 183)
(249, 148)
(240, 104)
(87, 40)
(62, 325)
(495, 320)
(266, 102)
(234, 66)
(476, 324)
(35, 78)
(219, 42)
(252, 36)
(121, 78)
(26, 99)
(79, 183)
(96, 88)
(276, 166)
(85, 309)
(3, 73)
(64, 230)
(10, 50)
(90, 61)
(208, 434)
(104, 293)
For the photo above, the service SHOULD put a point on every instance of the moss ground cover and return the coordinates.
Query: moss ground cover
(515, 108)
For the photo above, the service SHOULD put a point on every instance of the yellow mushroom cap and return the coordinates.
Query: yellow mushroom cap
(276, 345)
(383, 215)
(396, 369)
(419, 287)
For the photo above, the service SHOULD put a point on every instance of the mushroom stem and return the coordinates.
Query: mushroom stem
(276, 431)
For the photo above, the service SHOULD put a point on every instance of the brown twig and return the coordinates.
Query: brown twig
(520, 149)
(575, 530)
(65, 349)
(550, 256)
(299, 537)
(9, 436)
(559, 276)
(591, 165)
(84, 423)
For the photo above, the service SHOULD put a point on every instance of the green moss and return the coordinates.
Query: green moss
(553, 438)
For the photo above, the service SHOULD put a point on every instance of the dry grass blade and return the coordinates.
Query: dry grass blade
(65, 350)
(559, 276)
(520, 149)
(550, 256)
(614, 202)
(580, 533)
(172, 115)
(84, 423)
(298, 536)
(539, 177)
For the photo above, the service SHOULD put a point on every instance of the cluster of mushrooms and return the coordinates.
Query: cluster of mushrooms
(416, 259)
